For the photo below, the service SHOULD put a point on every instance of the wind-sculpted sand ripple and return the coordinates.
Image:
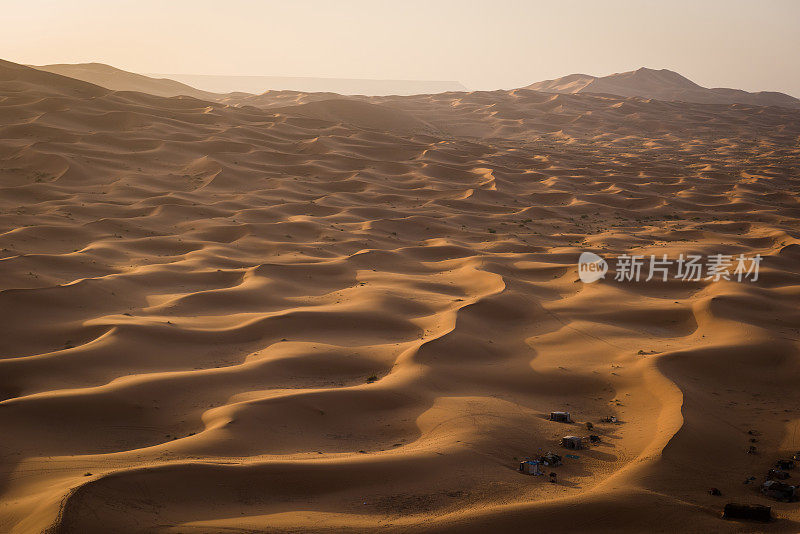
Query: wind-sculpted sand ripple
(311, 312)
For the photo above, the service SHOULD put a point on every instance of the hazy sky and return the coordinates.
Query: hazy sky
(751, 45)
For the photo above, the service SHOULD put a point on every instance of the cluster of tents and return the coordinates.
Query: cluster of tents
(774, 488)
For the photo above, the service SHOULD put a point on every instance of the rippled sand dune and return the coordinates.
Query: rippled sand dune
(299, 312)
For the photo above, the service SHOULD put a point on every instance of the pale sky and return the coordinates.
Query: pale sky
(751, 45)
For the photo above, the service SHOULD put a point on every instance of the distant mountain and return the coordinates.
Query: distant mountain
(342, 86)
(122, 80)
(660, 85)
(209, 87)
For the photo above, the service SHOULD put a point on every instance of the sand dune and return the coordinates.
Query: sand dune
(121, 80)
(302, 312)
(660, 84)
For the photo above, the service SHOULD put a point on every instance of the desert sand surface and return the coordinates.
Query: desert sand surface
(307, 313)
(661, 84)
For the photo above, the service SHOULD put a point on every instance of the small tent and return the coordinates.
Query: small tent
(777, 474)
(753, 512)
(561, 417)
(779, 491)
(531, 467)
(785, 464)
(550, 459)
